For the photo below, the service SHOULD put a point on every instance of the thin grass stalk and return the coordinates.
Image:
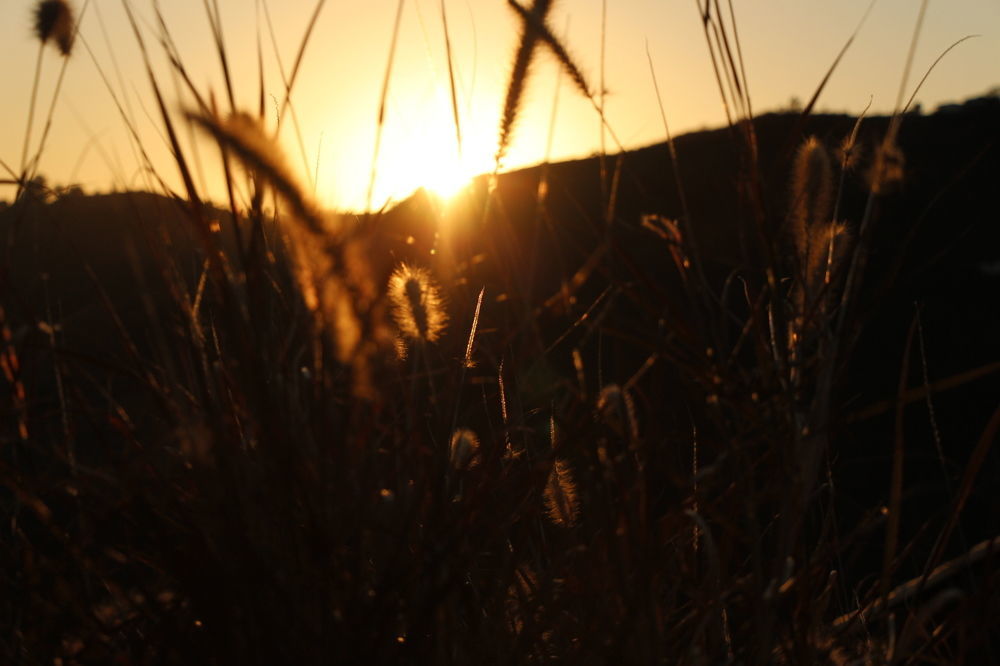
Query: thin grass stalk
(380, 122)
(739, 74)
(289, 81)
(194, 199)
(896, 479)
(134, 140)
(739, 57)
(451, 80)
(260, 64)
(118, 74)
(177, 67)
(706, 21)
(199, 169)
(193, 204)
(720, 54)
(503, 410)
(859, 260)
(976, 461)
(33, 165)
(602, 162)
(848, 147)
(926, 385)
(681, 194)
(541, 217)
(807, 110)
(930, 69)
(10, 171)
(467, 361)
(31, 120)
(736, 84)
(165, 38)
(215, 23)
(905, 79)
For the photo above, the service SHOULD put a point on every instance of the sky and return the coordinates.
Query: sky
(788, 45)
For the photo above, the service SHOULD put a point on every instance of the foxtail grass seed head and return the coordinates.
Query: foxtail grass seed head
(464, 449)
(399, 347)
(812, 192)
(417, 305)
(520, 597)
(561, 499)
(243, 134)
(534, 32)
(887, 167)
(54, 20)
(616, 408)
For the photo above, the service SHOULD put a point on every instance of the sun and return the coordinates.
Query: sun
(427, 156)
(421, 148)
(446, 176)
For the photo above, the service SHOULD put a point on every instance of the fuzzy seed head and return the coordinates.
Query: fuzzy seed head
(54, 20)
(560, 495)
(417, 305)
(887, 167)
(464, 449)
(616, 408)
(812, 190)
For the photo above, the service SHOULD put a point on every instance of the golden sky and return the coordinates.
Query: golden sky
(787, 46)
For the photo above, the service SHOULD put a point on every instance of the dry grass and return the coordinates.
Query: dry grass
(274, 485)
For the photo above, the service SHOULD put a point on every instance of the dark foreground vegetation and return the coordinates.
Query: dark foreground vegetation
(730, 400)
(192, 472)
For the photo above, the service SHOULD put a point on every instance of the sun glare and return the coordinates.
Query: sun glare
(427, 157)
(420, 147)
(445, 176)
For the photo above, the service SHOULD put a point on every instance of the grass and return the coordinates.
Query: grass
(309, 454)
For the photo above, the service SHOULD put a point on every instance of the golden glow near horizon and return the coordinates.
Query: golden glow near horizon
(421, 150)
(788, 46)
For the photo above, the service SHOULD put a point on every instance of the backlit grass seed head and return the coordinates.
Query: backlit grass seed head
(521, 603)
(887, 167)
(535, 32)
(812, 193)
(829, 244)
(561, 499)
(417, 305)
(616, 408)
(399, 347)
(464, 449)
(54, 20)
(243, 134)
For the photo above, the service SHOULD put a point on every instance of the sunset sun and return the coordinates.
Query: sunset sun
(446, 175)
(420, 149)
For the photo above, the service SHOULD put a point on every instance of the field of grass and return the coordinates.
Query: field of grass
(667, 406)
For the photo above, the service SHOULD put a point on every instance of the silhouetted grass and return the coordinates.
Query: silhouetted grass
(295, 446)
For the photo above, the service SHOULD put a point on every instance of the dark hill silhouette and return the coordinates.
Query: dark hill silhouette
(946, 202)
(935, 232)
(934, 242)
(939, 225)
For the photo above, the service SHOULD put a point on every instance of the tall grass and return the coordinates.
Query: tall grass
(324, 455)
